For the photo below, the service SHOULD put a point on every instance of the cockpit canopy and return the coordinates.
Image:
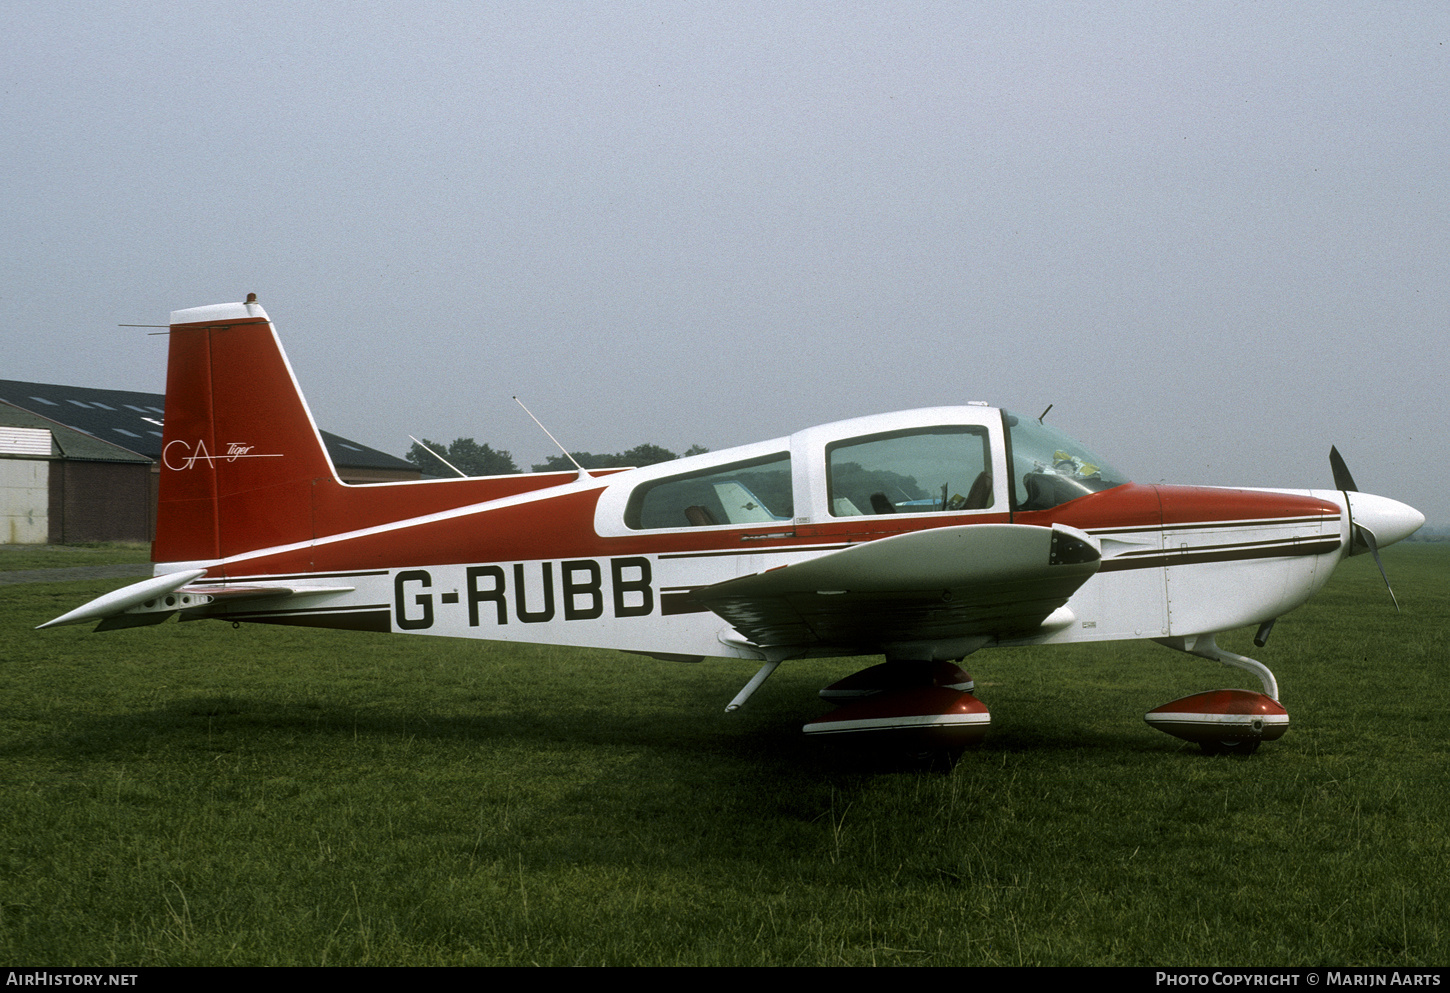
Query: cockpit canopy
(943, 460)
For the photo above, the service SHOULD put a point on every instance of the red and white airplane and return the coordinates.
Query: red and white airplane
(922, 536)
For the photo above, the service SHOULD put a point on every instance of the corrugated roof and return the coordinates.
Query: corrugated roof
(132, 422)
(69, 442)
(26, 441)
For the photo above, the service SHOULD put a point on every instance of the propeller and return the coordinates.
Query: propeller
(1342, 479)
(1359, 533)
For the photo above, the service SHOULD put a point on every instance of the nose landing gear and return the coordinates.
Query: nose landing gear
(1223, 722)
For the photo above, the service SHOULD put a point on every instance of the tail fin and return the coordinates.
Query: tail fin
(241, 455)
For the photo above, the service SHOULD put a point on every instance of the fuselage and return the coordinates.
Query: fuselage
(612, 560)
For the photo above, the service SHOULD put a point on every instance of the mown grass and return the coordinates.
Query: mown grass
(17, 557)
(194, 794)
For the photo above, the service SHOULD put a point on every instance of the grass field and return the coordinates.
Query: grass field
(14, 558)
(191, 794)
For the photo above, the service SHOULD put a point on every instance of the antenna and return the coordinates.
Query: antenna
(439, 457)
(582, 471)
(1044, 413)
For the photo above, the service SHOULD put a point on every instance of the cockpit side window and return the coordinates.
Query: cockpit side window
(920, 471)
(753, 492)
(1051, 468)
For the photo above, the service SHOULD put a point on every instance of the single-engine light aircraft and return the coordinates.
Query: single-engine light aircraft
(921, 536)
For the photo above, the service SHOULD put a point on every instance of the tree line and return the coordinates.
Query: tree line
(473, 459)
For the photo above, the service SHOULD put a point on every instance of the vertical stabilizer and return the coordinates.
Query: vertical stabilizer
(240, 455)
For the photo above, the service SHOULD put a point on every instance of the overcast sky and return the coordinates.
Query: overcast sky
(1214, 235)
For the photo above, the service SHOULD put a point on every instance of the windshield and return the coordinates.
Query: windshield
(1049, 468)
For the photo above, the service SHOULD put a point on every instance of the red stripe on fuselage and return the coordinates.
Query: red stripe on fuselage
(561, 526)
(1136, 506)
(1184, 505)
(1132, 506)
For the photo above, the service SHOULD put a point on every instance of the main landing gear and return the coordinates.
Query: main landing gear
(927, 710)
(1223, 722)
(924, 711)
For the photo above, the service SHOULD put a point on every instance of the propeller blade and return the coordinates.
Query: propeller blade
(1342, 479)
(1367, 536)
(1360, 535)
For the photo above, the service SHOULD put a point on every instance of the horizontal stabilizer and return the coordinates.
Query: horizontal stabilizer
(119, 601)
(154, 600)
(119, 622)
(227, 595)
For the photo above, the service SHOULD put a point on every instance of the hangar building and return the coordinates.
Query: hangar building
(79, 464)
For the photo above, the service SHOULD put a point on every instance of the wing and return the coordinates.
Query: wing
(937, 593)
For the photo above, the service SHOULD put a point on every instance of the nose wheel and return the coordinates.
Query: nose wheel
(1223, 722)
